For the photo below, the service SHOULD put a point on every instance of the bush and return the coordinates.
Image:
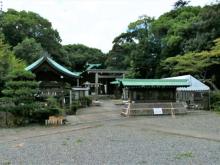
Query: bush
(46, 109)
(215, 101)
(85, 101)
(30, 113)
(72, 111)
(82, 102)
(16, 115)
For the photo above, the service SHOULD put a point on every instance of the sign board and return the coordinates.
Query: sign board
(158, 111)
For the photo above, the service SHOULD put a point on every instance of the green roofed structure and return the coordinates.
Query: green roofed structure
(145, 90)
(47, 64)
(55, 80)
(46, 69)
(151, 96)
(152, 83)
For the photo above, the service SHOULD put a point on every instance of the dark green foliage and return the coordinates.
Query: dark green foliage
(186, 30)
(20, 87)
(72, 111)
(19, 92)
(80, 54)
(204, 64)
(82, 102)
(45, 109)
(20, 28)
(180, 3)
(215, 101)
(85, 101)
(16, 26)
(28, 50)
(8, 62)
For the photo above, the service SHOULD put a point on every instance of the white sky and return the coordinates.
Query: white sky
(94, 23)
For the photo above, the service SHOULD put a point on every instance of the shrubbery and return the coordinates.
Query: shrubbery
(82, 102)
(215, 101)
(45, 109)
(85, 101)
(72, 111)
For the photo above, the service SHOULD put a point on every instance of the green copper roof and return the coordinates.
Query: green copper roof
(93, 66)
(154, 82)
(116, 82)
(53, 64)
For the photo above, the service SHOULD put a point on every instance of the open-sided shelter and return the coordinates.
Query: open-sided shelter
(196, 95)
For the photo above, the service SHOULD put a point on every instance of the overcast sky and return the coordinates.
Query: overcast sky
(94, 23)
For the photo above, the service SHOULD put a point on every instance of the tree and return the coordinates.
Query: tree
(138, 49)
(19, 94)
(79, 55)
(204, 29)
(8, 62)
(180, 3)
(205, 64)
(28, 50)
(17, 26)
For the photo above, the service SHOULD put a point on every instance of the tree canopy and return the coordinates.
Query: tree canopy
(17, 27)
(79, 55)
(28, 50)
(150, 47)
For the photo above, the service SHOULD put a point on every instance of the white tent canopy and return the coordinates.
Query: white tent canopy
(196, 85)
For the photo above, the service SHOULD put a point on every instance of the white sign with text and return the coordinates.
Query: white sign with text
(158, 111)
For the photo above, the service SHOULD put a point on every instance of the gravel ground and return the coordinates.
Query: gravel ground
(188, 139)
(117, 142)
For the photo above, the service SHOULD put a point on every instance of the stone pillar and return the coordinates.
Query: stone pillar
(71, 98)
(106, 89)
(77, 82)
(96, 84)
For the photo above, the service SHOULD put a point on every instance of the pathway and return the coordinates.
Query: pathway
(106, 111)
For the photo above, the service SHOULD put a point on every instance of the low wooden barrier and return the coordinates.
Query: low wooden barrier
(55, 120)
(140, 109)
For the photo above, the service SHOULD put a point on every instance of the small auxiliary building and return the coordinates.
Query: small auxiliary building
(147, 95)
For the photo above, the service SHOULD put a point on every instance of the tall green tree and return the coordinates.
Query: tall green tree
(17, 26)
(79, 55)
(28, 50)
(8, 62)
(205, 64)
(138, 47)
